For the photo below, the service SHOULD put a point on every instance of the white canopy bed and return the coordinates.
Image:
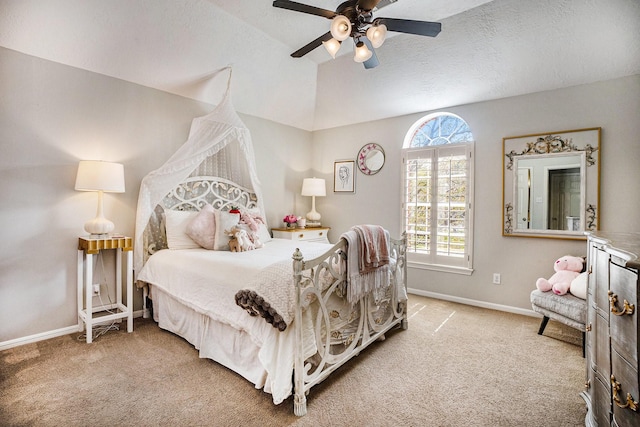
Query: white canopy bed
(284, 316)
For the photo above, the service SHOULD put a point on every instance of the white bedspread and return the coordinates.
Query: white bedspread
(207, 281)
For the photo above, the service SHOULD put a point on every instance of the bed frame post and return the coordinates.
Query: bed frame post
(402, 259)
(299, 398)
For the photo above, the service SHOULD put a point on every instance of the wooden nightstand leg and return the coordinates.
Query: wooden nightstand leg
(88, 286)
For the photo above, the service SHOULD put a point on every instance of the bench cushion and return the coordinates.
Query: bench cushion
(568, 309)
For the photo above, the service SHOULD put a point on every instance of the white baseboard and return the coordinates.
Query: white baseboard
(5, 345)
(475, 303)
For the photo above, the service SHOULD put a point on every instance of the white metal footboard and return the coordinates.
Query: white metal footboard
(341, 330)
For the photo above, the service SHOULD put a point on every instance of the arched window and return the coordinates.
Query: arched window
(438, 193)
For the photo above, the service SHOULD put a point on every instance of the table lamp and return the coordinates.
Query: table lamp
(96, 175)
(313, 187)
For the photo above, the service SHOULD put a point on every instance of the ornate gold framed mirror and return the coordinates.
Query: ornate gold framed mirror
(551, 184)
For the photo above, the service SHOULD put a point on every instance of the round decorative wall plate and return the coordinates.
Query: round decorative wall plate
(370, 158)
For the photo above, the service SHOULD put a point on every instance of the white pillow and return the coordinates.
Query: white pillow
(202, 228)
(176, 229)
(263, 234)
(224, 221)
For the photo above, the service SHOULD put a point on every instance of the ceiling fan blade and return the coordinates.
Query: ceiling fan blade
(312, 45)
(299, 7)
(367, 5)
(421, 28)
(373, 61)
(384, 3)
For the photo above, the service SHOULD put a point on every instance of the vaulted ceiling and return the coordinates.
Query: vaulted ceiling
(486, 50)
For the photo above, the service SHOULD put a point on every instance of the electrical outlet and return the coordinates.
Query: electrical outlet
(496, 278)
(96, 289)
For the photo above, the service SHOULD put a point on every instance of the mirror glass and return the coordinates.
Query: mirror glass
(371, 159)
(551, 184)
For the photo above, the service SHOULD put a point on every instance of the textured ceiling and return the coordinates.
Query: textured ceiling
(296, 29)
(486, 50)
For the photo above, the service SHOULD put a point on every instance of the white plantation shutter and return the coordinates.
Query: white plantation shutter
(437, 208)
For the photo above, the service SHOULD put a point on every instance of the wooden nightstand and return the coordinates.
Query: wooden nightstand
(311, 234)
(87, 247)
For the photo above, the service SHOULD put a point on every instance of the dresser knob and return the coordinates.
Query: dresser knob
(301, 236)
(320, 234)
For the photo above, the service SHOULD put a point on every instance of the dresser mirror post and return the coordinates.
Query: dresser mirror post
(551, 184)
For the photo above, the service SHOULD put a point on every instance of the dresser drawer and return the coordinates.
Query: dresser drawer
(601, 360)
(600, 403)
(623, 308)
(624, 392)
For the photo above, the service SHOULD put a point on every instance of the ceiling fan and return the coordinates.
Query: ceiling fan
(354, 18)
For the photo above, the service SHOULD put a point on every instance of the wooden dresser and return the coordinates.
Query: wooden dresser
(611, 390)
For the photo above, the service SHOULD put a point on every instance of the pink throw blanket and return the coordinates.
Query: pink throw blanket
(367, 260)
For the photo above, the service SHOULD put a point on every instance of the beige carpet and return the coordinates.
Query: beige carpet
(455, 365)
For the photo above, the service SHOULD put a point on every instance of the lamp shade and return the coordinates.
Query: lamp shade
(340, 28)
(96, 175)
(314, 187)
(377, 34)
(362, 52)
(332, 46)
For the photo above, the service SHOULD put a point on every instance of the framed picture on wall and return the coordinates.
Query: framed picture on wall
(344, 176)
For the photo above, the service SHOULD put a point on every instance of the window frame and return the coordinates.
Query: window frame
(433, 260)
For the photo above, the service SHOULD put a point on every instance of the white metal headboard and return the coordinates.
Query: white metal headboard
(196, 191)
(191, 195)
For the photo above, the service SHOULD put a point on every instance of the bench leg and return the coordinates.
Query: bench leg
(543, 325)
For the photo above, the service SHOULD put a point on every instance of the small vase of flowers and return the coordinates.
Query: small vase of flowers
(290, 221)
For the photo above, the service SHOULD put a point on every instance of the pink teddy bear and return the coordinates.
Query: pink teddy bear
(567, 268)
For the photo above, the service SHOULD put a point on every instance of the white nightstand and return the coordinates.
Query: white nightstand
(311, 234)
(87, 247)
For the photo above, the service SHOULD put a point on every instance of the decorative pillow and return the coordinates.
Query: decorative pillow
(224, 221)
(263, 231)
(176, 229)
(202, 228)
(579, 285)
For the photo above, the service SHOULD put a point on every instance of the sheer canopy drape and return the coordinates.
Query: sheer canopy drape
(219, 144)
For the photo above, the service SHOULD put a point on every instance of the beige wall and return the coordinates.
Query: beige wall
(53, 115)
(612, 105)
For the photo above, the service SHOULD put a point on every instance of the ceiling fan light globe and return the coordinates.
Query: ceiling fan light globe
(340, 28)
(377, 35)
(362, 52)
(332, 46)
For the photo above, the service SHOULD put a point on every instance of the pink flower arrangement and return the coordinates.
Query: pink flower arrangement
(290, 219)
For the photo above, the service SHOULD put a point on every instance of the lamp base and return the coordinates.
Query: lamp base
(313, 216)
(99, 227)
(312, 224)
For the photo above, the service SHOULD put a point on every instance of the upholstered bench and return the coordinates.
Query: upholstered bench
(567, 309)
